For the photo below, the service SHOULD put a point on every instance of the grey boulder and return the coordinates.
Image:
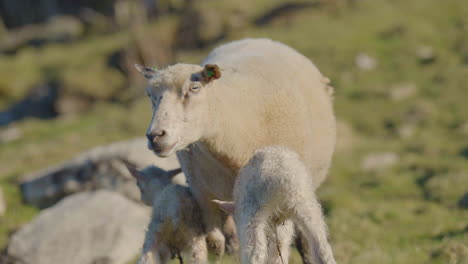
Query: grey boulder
(89, 227)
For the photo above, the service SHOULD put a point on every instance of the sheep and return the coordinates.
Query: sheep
(176, 227)
(245, 95)
(271, 193)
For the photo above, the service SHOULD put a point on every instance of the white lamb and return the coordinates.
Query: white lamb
(176, 227)
(272, 192)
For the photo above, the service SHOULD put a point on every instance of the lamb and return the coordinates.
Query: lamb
(176, 227)
(245, 95)
(271, 193)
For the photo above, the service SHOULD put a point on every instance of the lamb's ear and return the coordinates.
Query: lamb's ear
(133, 170)
(174, 172)
(228, 207)
(147, 72)
(210, 72)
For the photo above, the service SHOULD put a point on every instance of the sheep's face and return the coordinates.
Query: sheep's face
(178, 96)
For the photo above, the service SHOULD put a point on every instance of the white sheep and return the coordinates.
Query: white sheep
(271, 193)
(176, 227)
(245, 95)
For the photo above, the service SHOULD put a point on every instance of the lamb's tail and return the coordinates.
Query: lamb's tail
(309, 219)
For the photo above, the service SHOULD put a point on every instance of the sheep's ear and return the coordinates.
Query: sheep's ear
(174, 172)
(210, 72)
(228, 207)
(133, 170)
(147, 72)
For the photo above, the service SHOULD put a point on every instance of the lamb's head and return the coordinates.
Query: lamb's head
(178, 95)
(151, 180)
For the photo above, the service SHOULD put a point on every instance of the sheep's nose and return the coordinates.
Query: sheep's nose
(156, 135)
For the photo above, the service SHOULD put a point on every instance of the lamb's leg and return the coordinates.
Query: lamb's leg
(158, 254)
(214, 237)
(303, 248)
(257, 239)
(152, 247)
(198, 253)
(253, 232)
(309, 218)
(164, 254)
(230, 234)
(280, 243)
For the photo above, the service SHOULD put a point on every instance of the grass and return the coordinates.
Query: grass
(406, 213)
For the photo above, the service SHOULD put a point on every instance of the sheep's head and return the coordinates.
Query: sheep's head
(151, 180)
(178, 95)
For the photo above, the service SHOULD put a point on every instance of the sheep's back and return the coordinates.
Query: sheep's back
(269, 94)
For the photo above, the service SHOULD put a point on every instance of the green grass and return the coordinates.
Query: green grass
(405, 213)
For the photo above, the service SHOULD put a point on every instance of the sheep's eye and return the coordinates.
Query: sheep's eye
(195, 89)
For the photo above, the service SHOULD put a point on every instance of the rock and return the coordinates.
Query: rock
(20, 13)
(463, 202)
(98, 168)
(425, 55)
(406, 131)
(10, 133)
(365, 62)
(376, 161)
(400, 92)
(38, 103)
(84, 228)
(463, 128)
(451, 252)
(2, 203)
(448, 188)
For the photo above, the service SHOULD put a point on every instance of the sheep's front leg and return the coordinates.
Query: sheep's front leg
(213, 219)
(212, 216)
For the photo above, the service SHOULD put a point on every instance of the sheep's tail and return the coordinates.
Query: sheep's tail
(309, 219)
(329, 89)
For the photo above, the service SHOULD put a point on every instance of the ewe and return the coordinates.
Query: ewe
(272, 192)
(246, 95)
(176, 227)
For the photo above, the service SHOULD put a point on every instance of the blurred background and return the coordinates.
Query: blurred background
(398, 188)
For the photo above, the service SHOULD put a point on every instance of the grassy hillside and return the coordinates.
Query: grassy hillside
(398, 188)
